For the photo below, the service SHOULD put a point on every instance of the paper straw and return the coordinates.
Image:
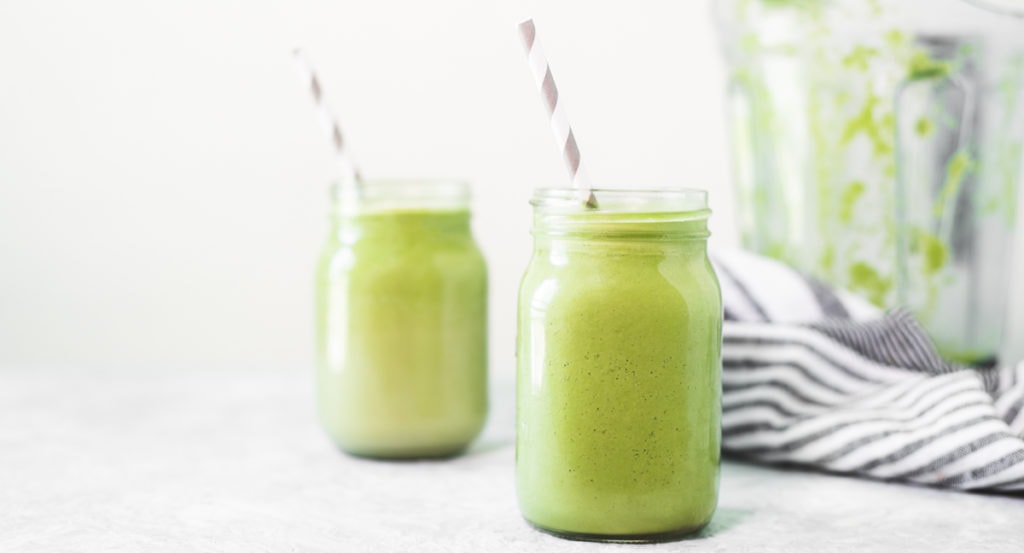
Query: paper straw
(556, 112)
(348, 175)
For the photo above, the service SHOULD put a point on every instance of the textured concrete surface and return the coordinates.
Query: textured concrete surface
(235, 462)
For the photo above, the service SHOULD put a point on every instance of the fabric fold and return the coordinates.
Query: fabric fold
(818, 377)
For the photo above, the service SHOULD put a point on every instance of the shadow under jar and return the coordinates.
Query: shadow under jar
(402, 322)
(619, 367)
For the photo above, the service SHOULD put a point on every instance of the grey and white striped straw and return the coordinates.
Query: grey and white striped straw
(556, 110)
(348, 174)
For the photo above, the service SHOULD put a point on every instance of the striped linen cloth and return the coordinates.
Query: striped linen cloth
(818, 377)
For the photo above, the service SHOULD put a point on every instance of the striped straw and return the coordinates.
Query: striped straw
(556, 111)
(347, 172)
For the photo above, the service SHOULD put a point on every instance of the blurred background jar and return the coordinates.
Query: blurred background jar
(402, 322)
(877, 145)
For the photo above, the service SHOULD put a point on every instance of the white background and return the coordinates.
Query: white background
(163, 179)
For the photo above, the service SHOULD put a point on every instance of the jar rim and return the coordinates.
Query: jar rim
(402, 193)
(623, 200)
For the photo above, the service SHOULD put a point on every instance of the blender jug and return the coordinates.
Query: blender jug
(877, 145)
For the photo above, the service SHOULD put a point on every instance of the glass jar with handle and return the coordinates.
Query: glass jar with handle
(877, 145)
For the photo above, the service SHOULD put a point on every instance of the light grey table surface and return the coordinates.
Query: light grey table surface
(232, 461)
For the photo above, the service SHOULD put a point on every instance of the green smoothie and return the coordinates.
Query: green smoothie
(619, 390)
(402, 333)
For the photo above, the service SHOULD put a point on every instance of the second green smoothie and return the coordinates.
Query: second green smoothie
(619, 356)
(402, 324)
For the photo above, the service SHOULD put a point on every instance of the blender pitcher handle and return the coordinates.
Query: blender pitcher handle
(934, 180)
(944, 195)
(958, 164)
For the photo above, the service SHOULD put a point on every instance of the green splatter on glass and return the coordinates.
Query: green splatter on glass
(865, 279)
(956, 170)
(924, 127)
(934, 253)
(852, 193)
(859, 58)
(923, 66)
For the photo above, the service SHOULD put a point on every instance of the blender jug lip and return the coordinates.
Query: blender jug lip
(790, 24)
(1011, 8)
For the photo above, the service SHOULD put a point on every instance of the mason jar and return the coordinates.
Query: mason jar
(401, 318)
(619, 367)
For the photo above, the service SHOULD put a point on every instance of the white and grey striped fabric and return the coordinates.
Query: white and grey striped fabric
(820, 378)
